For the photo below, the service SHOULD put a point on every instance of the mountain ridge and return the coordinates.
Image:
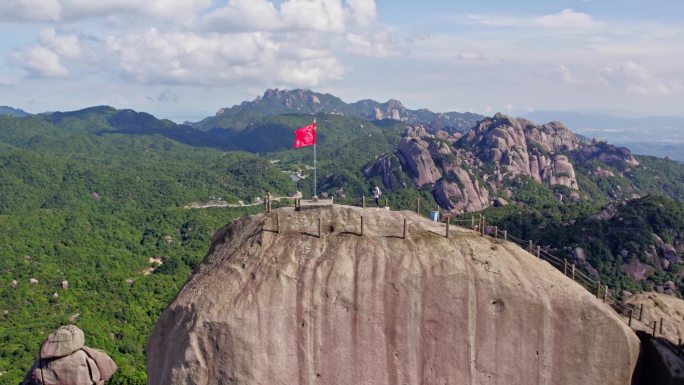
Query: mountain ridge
(11, 111)
(305, 101)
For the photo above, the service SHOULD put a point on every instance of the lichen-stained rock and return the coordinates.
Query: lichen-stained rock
(295, 308)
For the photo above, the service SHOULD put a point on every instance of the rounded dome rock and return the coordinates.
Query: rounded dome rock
(275, 302)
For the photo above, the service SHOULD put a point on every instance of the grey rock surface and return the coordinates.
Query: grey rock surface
(64, 360)
(292, 308)
(64, 341)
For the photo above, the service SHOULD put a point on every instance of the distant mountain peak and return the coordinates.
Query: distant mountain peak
(276, 101)
(11, 111)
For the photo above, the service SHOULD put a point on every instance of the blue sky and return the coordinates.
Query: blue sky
(185, 59)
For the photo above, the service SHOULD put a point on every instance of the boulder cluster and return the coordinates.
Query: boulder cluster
(477, 169)
(65, 360)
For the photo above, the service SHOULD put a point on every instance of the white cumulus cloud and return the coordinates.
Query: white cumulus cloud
(378, 44)
(245, 15)
(362, 12)
(637, 79)
(65, 45)
(72, 10)
(566, 19)
(193, 58)
(40, 61)
(328, 16)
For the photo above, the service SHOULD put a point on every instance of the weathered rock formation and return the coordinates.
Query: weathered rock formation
(522, 148)
(65, 360)
(460, 192)
(298, 308)
(414, 154)
(606, 153)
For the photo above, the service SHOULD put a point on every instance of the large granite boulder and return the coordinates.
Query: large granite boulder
(460, 192)
(415, 158)
(298, 308)
(66, 340)
(65, 360)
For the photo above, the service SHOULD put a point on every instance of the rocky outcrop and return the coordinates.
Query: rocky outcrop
(520, 147)
(606, 153)
(339, 308)
(636, 270)
(460, 192)
(65, 360)
(415, 158)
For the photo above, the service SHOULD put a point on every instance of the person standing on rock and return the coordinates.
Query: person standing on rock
(376, 195)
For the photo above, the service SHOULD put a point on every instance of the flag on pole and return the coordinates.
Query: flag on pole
(305, 136)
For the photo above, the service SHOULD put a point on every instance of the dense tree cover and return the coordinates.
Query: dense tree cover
(92, 209)
(610, 236)
(90, 196)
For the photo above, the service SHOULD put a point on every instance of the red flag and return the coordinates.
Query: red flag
(305, 136)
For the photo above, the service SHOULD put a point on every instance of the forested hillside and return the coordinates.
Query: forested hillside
(97, 197)
(90, 196)
(92, 210)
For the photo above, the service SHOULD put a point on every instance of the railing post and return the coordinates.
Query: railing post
(573, 272)
(565, 267)
(404, 236)
(605, 294)
(362, 225)
(529, 247)
(418, 205)
(505, 232)
(538, 251)
(482, 228)
(641, 311)
(654, 328)
(496, 232)
(277, 222)
(631, 314)
(386, 202)
(320, 227)
(598, 291)
(472, 221)
(447, 227)
(363, 201)
(661, 326)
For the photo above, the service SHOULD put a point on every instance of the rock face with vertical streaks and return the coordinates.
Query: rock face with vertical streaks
(298, 308)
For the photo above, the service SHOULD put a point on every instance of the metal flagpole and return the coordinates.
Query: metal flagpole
(315, 176)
